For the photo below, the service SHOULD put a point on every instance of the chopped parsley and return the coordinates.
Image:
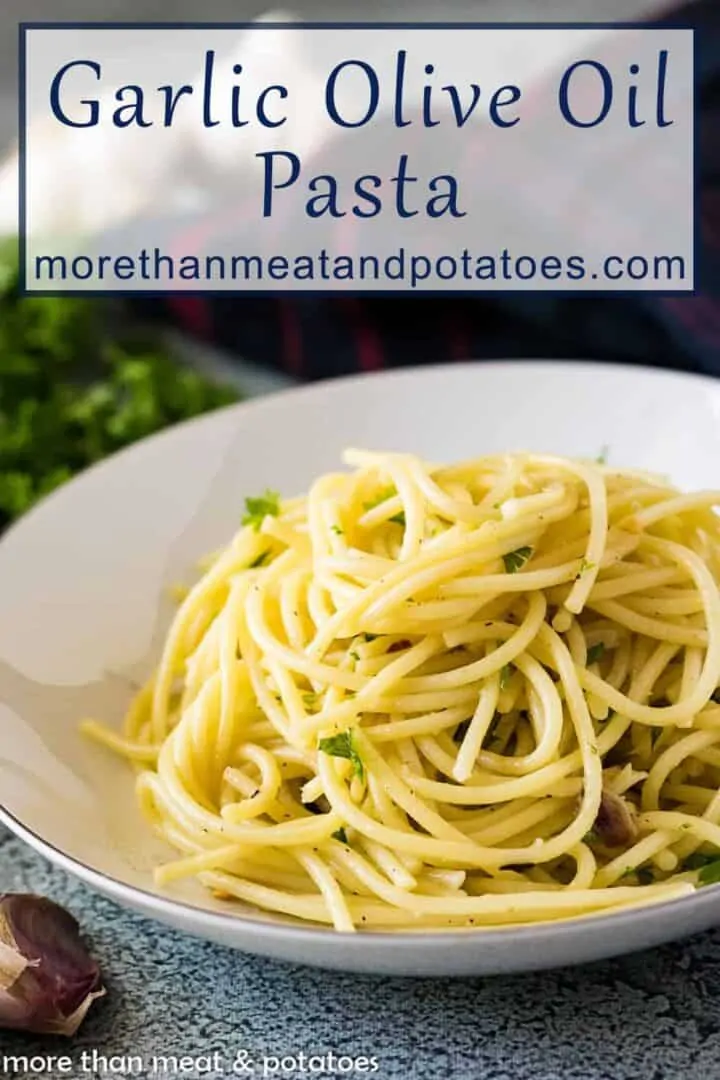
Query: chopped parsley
(381, 497)
(370, 637)
(340, 835)
(515, 560)
(260, 561)
(492, 731)
(595, 653)
(697, 860)
(354, 656)
(343, 746)
(257, 508)
(710, 873)
(505, 674)
(603, 456)
(585, 566)
(337, 530)
(708, 865)
(77, 383)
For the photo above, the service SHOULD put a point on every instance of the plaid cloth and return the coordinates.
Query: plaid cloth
(314, 337)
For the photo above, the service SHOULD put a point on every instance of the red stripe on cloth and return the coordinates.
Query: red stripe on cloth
(700, 314)
(195, 310)
(368, 344)
(195, 314)
(710, 215)
(291, 336)
(457, 336)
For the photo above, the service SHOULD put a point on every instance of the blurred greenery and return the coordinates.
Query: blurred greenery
(79, 380)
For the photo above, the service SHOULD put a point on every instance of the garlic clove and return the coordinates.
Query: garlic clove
(615, 824)
(48, 980)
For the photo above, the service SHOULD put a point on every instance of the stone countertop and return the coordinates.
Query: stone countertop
(652, 1016)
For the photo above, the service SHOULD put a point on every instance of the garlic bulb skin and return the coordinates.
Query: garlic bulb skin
(48, 980)
(80, 186)
(266, 56)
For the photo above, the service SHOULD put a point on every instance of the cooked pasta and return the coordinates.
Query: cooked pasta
(444, 696)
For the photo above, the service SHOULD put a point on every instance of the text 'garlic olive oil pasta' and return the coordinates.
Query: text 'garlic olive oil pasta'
(444, 697)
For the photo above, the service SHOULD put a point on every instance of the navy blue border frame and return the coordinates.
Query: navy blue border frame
(656, 24)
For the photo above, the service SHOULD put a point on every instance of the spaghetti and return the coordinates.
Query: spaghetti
(444, 696)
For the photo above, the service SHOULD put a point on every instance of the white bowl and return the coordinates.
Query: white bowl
(83, 611)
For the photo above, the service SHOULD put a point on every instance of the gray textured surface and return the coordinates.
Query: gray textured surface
(653, 1016)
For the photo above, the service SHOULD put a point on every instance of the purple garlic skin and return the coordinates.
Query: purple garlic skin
(48, 980)
(615, 824)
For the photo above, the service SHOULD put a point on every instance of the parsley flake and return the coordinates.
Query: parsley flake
(492, 731)
(381, 497)
(370, 637)
(336, 529)
(697, 861)
(595, 653)
(515, 560)
(343, 746)
(710, 873)
(340, 835)
(505, 674)
(257, 508)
